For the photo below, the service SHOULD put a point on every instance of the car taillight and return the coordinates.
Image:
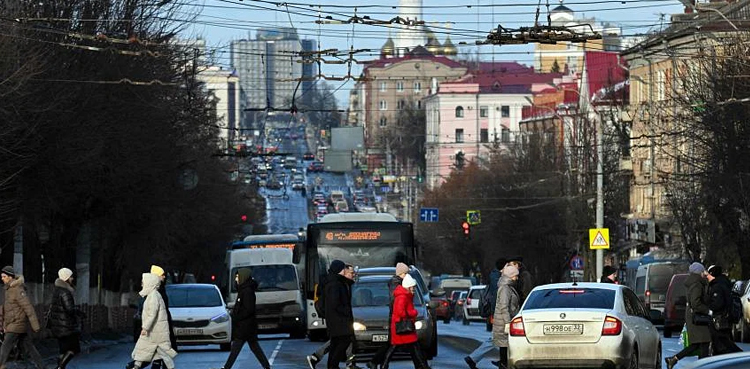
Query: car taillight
(612, 326)
(445, 303)
(516, 327)
(648, 293)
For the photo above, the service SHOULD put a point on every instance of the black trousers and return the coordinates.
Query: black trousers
(701, 348)
(503, 357)
(337, 353)
(722, 342)
(414, 351)
(254, 347)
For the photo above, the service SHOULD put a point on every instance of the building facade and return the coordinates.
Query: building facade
(224, 86)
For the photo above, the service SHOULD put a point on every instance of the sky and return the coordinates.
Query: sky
(221, 21)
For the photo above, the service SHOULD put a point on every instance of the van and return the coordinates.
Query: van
(652, 281)
(336, 196)
(676, 303)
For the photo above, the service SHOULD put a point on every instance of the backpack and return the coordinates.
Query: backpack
(320, 303)
(735, 308)
(486, 303)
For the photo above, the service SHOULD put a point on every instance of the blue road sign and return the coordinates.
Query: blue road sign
(429, 215)
(576, 263)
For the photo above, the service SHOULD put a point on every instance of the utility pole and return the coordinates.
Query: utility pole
(599, 193)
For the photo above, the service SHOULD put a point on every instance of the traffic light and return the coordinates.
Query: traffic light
(467, 229)
(244, 218)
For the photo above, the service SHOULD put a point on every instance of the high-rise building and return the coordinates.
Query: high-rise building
(268, 68)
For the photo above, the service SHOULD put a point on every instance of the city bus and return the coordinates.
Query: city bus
(364, 240)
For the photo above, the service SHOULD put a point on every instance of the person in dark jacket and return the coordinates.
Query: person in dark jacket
(609, 274)
(719, 301)
(699, 336)
(64, 318)
(339, 316)
(402, 270)
(525, 282)
(244, 324)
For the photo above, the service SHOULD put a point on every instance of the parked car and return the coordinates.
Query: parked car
(298, 185)
(458, 314)
(652, 281)
(454, 303)
(583, 325)
(676, 303)
(316, 166)
(308, 156)
(738, 360)
(471, 307)
(741, 330)
(199, 315)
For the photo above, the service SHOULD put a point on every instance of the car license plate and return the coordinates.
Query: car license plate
(267, 326)
(188, 331)
(379, 338)
(571, 329)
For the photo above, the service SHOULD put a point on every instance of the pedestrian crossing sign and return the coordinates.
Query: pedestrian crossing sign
(598, 238)
(473, 217)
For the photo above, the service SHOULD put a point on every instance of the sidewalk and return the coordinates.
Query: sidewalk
(463, 337)
(47, 347)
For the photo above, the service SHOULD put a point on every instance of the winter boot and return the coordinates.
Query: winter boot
(63, 360)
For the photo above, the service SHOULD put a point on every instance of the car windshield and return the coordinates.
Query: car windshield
(571, 298)
(192, 297)
(272, 277)
(373, 293)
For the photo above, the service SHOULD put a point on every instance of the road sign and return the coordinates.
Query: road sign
(429, 215)
(473, 217)
(598, 238)
(576, 275)
(576, 263)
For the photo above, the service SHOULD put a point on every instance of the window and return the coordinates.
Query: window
(505, 111)
(400, 86)
(459, 112)
(383, 122)
(383, 86)
(505, 135)
(419, 104)
(417, 87)
(484, 135)
(401, 104)
(383, 105)
(484, 112)
(571, 298)
(459, 135)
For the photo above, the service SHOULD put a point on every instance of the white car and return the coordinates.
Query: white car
(584, 325)
(471, 306)
(199, 315)
(741, 330)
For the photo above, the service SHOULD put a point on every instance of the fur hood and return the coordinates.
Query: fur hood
(18, 281)
(62, 284)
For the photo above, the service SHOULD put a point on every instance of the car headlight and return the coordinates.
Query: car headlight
(359, 326)
(292, 309)
(221, 318)
(420, 324)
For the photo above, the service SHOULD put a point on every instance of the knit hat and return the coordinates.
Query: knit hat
(65, 274)
(157, 270)
(510, 271)
(9, 271)
(337, 266)
(402, 268)
(517, 259)
(408, 282)
(715, 270)
(696, 268)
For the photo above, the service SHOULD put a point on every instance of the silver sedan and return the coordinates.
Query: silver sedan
(584, 325)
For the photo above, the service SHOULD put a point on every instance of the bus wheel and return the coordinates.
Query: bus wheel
(297, 334)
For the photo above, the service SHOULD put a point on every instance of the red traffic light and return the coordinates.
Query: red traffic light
(244, 218)
(213, 277)
(466, 227)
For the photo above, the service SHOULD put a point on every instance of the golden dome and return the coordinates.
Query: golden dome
(433, 45)
(388, 48)
(449, 48)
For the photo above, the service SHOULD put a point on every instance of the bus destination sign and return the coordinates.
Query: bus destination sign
(349, 236)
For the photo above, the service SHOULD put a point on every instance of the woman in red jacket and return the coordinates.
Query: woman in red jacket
(403, 309)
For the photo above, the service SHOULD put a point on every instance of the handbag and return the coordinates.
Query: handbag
(702, 319)
(405, 325)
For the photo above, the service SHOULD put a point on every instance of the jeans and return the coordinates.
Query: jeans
(254, 347)
(482, 350)
(10, 341)
(337, 353)
(414, 351)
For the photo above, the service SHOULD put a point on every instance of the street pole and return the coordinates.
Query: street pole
(599, 193)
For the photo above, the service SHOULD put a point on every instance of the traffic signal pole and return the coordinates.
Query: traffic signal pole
(599, 194)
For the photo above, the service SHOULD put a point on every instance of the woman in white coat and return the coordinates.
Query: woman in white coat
(153, 344)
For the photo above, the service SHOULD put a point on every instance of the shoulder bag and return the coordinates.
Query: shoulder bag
(405, 325)
(701, 319)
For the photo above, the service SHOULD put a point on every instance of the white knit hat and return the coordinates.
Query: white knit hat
(65, 274)
(408, 282)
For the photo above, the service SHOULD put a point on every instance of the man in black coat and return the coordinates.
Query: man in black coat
(339, 316)
(244, 322)
(64, 317)
(719, 301)
(609, 274)
(525, 282)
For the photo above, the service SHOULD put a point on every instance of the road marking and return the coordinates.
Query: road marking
(275, 352)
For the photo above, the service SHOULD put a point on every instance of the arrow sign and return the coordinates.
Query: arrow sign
(429, 215)
(599, 238)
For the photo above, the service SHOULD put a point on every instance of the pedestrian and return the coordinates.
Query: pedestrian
(720, 301)
(314, 359)
(63, 320)
(699, 336)
(609, 274)
(153, 343)
(403, 311)
(508, 303)
(338, 312)
(525, 282)
(159, 272)
(491, 296)
(18, 313)
(244, 322)
(402, 270)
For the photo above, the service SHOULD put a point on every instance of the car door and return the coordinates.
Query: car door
(646, 334)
